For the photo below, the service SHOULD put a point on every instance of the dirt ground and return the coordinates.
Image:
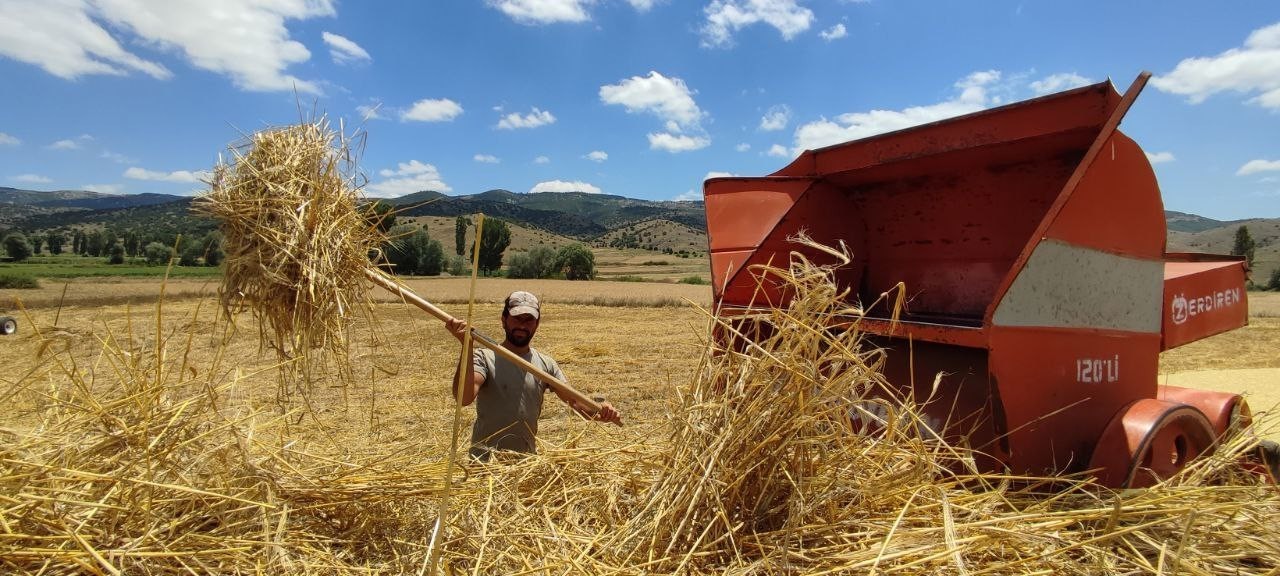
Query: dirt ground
(634, 342)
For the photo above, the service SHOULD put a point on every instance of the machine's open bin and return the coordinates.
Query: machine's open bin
(1030, 240)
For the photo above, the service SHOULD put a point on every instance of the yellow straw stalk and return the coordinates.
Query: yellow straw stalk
(296, 242)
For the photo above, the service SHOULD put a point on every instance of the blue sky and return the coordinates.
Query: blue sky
(640, 98)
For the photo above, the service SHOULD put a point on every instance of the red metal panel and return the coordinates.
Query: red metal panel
(1091, 155)
(1202, 299)
(724, 265)
(1061, 388)
(1218, 407)
(1116, 207)
(742, 213)
(952, 229)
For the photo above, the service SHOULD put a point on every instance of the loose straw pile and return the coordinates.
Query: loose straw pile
(761, 473)
(296, 243)
(134, 465)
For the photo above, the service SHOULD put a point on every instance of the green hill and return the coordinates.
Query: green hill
(575, 214)
(1183, 222)
(600, 219)
(37, 210)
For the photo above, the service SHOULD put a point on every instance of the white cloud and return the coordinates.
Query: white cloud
(779, 151)
(677, 142)
(667, 98)
(65, 41)
(486, 158)
(442, 110)
(117, 158)
(776, 118)
(136, 173)
(7, 140)
(407, 178)
(1256, 166)
(1269, 180)
(533, 119)
(834, 33)
(542, 160)
(32, 179)
(743, 147)
(370, 111)
(1160, 157)
(973, 96)
(714, 174)
(1058, 83)
(725, 17)
(64, 145)
(643, 5)
(544, 11)
(103, 188)
(343, 50)
(597, 156)
(562, 186)
(1252, 68)
(245, 40)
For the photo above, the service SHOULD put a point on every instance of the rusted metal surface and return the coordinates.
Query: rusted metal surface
(1150, 440)
(1030, 239)
(1227, 412)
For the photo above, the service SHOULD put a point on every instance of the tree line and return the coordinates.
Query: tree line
(407, 250)
(116, 245)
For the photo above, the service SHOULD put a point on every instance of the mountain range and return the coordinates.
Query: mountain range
(576, 215)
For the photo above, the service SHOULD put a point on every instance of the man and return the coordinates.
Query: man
(508, 399)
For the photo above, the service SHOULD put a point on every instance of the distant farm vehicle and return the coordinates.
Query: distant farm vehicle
(1031, 241)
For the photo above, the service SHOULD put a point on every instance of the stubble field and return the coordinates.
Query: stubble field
(634, 342)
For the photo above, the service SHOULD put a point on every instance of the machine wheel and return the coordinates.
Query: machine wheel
(1149, 441)
(8, 325)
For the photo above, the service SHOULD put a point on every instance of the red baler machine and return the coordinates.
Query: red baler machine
(1031, 241)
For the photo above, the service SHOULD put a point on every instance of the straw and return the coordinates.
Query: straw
(296, 242)
(130, 459)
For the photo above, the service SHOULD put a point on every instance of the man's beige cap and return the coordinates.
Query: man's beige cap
(521, 302)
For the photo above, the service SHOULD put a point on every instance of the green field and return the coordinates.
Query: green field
(628, 264)
(72, 266)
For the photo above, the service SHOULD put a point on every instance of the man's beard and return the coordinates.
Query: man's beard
(519, 340)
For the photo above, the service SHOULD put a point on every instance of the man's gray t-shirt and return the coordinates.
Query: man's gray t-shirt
(509, 402)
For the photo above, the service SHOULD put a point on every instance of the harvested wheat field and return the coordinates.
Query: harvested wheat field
(298, 423)
(131, 453)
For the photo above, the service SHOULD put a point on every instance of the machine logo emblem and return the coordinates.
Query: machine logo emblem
(1183, 309)
(1179, 309)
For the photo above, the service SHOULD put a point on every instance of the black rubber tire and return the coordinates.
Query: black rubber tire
(8, 325)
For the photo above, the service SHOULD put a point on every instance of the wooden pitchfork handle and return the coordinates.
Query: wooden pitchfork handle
(583, 401)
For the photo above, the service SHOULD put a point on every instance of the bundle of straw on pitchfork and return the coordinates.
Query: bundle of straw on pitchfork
(300, 248)
(296, 242)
